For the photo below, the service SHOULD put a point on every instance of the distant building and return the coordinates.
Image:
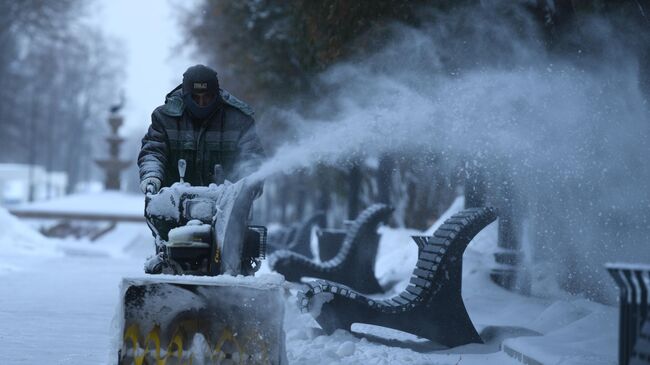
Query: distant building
(15, 180)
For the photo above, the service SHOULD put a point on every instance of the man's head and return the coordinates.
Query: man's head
(201, 91)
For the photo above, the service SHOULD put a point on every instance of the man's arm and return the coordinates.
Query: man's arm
(153, 154)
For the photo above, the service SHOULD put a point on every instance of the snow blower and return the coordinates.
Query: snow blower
(200, 303)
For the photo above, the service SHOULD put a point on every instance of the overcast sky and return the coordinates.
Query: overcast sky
(149, 31)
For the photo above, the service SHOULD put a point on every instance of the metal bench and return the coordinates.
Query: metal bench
(297, 238)
(353, 265)
(430, 307)
(330, 241)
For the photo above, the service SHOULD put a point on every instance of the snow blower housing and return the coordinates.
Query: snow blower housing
(203, 230)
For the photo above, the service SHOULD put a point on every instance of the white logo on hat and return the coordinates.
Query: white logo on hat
(201, 85)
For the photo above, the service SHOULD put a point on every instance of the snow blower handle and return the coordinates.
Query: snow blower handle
(151, 189)
(218, 175)
(181, 169)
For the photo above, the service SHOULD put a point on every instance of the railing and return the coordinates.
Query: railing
(36, 214)
(77, 225)
(634, 325)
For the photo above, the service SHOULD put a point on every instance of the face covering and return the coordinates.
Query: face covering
(200, 112)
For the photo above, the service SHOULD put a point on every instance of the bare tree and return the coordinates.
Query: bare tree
(60, 76)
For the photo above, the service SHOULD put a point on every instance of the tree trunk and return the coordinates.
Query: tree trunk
(384, 179)
(354, 191)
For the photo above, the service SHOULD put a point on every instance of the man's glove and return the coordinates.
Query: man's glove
(150, 185)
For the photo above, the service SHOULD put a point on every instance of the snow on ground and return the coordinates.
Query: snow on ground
(57, 308)
(576, 332)
(20, 245)
(58, 298)
(17, 237)
(60, 312)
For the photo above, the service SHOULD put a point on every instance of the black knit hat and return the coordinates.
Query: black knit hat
(200, 79)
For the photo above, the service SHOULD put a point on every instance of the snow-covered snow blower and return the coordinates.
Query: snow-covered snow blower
(199, 309)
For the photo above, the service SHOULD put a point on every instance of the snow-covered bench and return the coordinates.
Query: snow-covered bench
(352, 266)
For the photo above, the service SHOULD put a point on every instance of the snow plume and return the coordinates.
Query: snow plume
(569, 127)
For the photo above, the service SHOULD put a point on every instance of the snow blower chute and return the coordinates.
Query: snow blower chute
(198, 309)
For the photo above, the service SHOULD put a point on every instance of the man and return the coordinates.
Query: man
(205, 126)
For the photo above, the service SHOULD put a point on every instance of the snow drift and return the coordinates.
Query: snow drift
(17, 238)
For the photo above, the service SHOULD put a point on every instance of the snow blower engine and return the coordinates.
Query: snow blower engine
(202, 230)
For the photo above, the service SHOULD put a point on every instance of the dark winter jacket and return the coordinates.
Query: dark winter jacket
(227, 137)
